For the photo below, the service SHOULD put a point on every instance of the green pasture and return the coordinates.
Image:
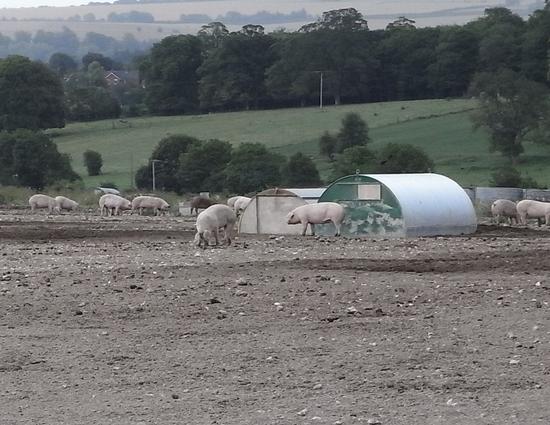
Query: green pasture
(441, 127)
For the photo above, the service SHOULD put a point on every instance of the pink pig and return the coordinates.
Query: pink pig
(320, 213)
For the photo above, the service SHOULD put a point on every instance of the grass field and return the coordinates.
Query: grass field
(441, 127)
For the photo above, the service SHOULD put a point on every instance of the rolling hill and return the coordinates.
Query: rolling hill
(441, 127)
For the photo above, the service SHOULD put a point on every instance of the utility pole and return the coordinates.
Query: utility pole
(153, 167)
(320, 88)
(321, 92)
(131, 170)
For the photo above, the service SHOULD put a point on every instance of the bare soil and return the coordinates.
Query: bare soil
(124, 321)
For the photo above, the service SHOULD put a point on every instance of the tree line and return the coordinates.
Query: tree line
(187, 164)
(216, 70)
(42, 44)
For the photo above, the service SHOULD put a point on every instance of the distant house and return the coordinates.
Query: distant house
(122, 78)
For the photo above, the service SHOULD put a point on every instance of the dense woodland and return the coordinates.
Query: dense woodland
(217, 70)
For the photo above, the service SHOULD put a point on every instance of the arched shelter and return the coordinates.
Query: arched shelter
(401, 205)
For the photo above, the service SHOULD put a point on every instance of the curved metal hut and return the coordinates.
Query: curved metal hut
(401, 205)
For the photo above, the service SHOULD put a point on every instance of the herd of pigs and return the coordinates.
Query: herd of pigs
(216, 217)
(521, 211)
(209, 223)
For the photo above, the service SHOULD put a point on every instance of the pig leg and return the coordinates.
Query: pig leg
(312, 229)
(304, 229)
(337, 229)
(203, 240)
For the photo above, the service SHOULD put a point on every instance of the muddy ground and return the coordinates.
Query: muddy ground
(123, 321)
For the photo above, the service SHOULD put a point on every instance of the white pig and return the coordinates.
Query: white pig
(212, 219)
(42, 201)
(153, 202)
(320, 213)
(241, 204)
(112, 204)
(63, 203)
(533, 209)
(504, 208)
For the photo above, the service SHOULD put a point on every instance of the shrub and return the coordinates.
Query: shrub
(253, 168)
(300, 171)
(354, 132)
(168, 152)
(511, 177)
(31, 159)
(93, 162)
(352, 159)
(201, 168)
(403, 158)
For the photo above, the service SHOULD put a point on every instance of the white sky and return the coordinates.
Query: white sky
(34, 3)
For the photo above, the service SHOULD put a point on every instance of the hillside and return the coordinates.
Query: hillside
(441, 127)
(167, 15)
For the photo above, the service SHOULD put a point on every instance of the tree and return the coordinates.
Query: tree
(344, 54)
(32, 95)
(87, 97)
(455, 62)
(300, 171)
(201, 168)
(500, 33)
(106, 62)
(234, 74)
(213, 34)
(62, 64)
(252, 30)
(327, 145)
(511, 107)
(535, 59)
(171, 75)
(167, 152)
(93, 162)
(403, 158)
(401, 23)
(351, 160)
(354, 132)
(406, 57)
(31, 159)
(338, 20)
(253, 168)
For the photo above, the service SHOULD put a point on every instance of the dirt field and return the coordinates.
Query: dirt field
(124, 321)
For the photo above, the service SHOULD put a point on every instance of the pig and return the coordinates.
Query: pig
(200, 202)
(231, 201)
(153, 202)
(112, 204)
(212, 219)
(63, 203)
(42, 201)
(533, 209)
(241, 204)
(504, 208)
(320, 213)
